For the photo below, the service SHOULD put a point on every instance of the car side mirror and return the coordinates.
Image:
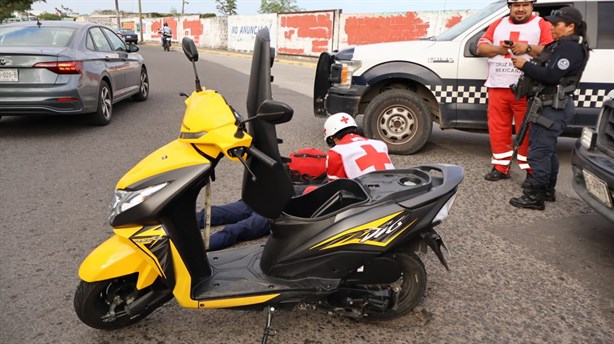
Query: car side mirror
(274, 112)
(133, 48)
(189, 49)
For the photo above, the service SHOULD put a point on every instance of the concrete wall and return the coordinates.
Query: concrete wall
(302, 33)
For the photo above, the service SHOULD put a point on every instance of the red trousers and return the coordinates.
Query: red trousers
(503, 108)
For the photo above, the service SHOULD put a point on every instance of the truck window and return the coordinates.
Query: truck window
(470, 21)
(605, 33)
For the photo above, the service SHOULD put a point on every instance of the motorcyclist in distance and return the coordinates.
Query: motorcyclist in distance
(165, 30)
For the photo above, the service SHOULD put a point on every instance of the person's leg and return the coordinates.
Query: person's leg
(225, 214)
(542, 159)
(251, 228)
(519, 108)
(500, 131)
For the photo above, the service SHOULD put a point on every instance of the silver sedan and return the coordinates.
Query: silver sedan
(55, 67)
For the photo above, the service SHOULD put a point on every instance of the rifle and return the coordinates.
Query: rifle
(531, 116)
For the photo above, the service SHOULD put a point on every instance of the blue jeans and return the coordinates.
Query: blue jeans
(242, 224)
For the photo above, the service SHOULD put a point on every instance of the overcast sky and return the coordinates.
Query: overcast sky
(250, 7)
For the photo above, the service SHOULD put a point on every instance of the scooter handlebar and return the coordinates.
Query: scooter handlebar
(258, 154)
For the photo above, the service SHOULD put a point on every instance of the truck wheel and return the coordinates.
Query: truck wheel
(399, 118)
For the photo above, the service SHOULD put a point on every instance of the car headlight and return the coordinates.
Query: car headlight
(342, 71)
(588, 138)
(124, 200)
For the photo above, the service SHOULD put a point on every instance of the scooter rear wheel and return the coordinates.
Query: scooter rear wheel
(102, 305)
(412, 287)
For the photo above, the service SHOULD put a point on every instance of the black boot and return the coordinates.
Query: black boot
(531, 199)
(526, 184)
(549, 195)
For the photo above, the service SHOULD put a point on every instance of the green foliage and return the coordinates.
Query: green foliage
(278, 6)
(226, 7)
(207, 15)
(9, 6)
(49, 16)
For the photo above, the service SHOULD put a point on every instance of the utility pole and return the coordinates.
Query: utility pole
(117, 13)
(140, 22)
(183, 2)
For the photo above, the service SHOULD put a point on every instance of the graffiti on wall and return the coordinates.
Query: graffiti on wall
(303, 33)
(306, 33)
(242, 30)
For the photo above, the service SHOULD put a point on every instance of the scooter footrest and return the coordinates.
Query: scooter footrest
(236, 273)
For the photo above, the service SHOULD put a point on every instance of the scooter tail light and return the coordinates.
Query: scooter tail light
(444, 211)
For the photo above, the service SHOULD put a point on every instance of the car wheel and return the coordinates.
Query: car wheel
(399, 118)
(104, 111)
(143, 87)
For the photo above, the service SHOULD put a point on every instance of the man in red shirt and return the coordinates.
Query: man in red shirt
(519, 34)
(352, 155)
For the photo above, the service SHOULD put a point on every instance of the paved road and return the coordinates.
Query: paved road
(516, 276)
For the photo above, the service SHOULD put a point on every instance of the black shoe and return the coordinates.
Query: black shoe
(531, 199)
(495, 175)
(527, 181)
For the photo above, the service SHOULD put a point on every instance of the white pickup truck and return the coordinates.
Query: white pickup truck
(401, 88)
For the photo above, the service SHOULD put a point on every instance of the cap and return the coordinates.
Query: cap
(566, 14)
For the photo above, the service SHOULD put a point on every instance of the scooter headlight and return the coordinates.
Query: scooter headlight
(444, 211)
(124, 200)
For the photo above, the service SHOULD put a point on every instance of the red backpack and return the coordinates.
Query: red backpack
(307, 166)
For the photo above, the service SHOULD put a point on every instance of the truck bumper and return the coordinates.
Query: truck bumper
(601, 166)
(348, 101)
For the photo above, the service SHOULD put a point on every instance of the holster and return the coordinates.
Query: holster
(536, 104)
(557, 100)
(543, 121)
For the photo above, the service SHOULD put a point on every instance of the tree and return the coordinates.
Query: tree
(226, 7)
(278, 6)
(49, 16)
(7, 9)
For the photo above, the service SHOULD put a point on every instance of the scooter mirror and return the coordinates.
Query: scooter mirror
(274, 112)
(189, 49)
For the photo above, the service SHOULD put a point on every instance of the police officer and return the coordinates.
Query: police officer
(558, 68)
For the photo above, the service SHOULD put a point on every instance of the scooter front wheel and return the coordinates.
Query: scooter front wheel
(105, 305)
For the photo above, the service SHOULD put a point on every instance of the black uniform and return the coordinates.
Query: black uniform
(559, 61)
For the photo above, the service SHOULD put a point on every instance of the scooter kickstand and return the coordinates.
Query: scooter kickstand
(268, 331)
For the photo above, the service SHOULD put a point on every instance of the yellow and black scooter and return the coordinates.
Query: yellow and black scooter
(347, 247)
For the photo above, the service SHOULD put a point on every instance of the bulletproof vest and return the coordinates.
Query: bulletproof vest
(526, 86)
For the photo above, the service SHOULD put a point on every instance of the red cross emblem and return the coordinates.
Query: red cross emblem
(373, 158)
(514, 36)
(344, 119)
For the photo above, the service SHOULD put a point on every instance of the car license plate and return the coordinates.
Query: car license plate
(597, 188)
(9, 75)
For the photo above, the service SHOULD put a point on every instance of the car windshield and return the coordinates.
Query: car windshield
(35, 36)
(128, 32)
(470, 21)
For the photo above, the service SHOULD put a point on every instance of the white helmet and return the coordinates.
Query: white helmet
(509, 2)
(337, 122)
